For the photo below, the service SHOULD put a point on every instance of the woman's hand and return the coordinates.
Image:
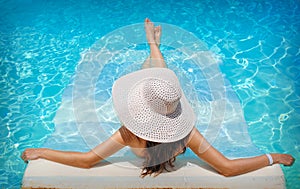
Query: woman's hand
(32, 154)
(285, 159)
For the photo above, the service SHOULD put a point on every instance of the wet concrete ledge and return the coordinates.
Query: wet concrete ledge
(46, 174)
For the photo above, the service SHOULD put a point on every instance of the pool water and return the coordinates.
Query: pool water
(41, 44)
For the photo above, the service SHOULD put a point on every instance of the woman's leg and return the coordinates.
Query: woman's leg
(157, 35)
(153, 37)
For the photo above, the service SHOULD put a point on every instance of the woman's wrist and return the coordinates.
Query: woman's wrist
(275, 158)
(41, 153)
(270, 159)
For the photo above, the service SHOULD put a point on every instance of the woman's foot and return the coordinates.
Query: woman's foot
(284, 159)
(149, 28)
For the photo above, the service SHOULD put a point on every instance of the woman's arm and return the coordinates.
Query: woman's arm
(228, 167)
(78, 159)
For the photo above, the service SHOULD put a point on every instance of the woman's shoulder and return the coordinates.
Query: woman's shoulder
(197, 141)
(128, 137)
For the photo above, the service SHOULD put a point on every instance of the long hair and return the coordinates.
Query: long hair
(160, 156)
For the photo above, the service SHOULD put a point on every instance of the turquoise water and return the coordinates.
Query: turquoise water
(41, 43)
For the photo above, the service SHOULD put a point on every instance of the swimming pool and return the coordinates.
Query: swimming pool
(41, 43)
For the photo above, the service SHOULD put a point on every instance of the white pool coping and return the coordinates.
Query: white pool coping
(190, 174)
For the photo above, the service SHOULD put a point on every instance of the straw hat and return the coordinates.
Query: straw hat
(151, 104)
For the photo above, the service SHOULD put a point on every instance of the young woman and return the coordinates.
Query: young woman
(158, 124)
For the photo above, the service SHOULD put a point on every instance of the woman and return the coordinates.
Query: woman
(158, 124)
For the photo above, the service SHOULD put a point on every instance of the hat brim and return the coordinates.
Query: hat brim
(156, 127)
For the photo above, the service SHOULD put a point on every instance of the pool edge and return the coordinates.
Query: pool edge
(46, 174)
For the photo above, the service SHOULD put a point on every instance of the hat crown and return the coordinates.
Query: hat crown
(162, 96)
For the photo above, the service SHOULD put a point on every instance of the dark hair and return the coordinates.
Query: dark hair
(160, 156)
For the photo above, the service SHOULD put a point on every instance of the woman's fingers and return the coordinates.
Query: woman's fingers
(30, 154)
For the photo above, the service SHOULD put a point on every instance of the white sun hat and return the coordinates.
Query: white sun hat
(151, 104)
